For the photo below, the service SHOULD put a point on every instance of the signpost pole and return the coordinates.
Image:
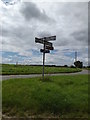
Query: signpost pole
(43, 62)
(46, 48)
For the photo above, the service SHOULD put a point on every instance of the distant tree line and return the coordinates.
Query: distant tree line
(77, 64)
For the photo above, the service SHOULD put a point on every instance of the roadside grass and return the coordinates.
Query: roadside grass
(88, 68)
(25, 69)
(60, 96)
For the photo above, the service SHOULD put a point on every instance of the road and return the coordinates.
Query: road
(6, 77)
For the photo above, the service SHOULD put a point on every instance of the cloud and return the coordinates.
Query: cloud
(44, 34)
(81, 35)
(24, 21)
(31, 11)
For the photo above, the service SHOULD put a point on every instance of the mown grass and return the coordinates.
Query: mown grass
(24, 69)
(62, 96)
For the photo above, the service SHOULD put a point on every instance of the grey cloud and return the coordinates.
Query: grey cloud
(19, 33)
(44, 34)
(81, 35)
(30, 11)
(62, 42)
(72, 9)
(18, 36)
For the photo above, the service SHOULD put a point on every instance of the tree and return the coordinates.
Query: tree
(65, 66)
(78, 64)
(72, 66)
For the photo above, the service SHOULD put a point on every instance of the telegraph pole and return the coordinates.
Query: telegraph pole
(75, 56)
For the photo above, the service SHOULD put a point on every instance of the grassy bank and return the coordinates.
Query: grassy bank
(22, 69)
(64, 96)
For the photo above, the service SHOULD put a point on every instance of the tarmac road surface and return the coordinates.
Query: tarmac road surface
(6, 77)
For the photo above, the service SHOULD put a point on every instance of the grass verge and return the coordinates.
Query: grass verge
(62, 96)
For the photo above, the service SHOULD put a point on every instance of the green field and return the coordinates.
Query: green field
(88, 68)
(25, 69)
(60, 96)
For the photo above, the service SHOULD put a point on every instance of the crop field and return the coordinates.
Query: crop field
(60, 96)
(25, 69)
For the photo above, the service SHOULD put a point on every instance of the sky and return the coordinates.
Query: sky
(21, 22)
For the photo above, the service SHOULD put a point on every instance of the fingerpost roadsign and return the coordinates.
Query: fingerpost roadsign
(42, 41)
(50, 38)
(45, 51)
(47, 46)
